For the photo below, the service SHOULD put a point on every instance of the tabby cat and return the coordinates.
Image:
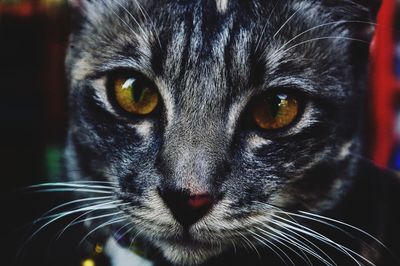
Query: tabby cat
(227, 132)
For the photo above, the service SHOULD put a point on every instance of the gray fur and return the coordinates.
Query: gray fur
(209, 59)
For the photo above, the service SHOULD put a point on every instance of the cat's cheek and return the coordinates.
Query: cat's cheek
(320, 188)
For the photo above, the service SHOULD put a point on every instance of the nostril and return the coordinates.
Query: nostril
(200, 201)
(187, 209)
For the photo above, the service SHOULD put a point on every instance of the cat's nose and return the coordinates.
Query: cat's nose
(187, 208)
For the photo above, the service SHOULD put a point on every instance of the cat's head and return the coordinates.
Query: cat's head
(209, 116)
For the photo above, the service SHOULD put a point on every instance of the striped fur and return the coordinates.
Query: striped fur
(209, 59)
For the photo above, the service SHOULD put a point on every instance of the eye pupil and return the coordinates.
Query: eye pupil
(138, 93)
(275, 106)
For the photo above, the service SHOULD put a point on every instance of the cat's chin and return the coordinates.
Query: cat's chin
(188, 254)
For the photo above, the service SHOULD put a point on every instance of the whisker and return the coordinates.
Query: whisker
(325, 220)
(101, 206)
(319, 221)
(307, 231)
(117, 235)
(325, 38)
(320, 26)
(88, 181)
(265, 26)
(77, 221)
(134, 238)
(286, 22)
(280, 238)
(251, 245)
(262, 239)
(83, 208)
(51, 190)
(292, 237)
(112, 221)
(132, 17)
(127, 25)
(306, 248)
(95, 218)
(70, 185)
(45, 215)
(349, 226)
(146, 15)
(234, 246)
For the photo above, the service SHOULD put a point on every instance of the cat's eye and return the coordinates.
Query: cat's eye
(135, 96)
(275, 111)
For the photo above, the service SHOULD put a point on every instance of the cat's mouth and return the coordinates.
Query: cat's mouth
(188, 251)
(184, 239)
(185, 242)
(181, 242)
(182, 250)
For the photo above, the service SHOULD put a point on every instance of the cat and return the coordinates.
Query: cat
(228, 132)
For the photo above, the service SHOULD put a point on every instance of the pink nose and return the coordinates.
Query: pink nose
(187, 209)
(199, 201)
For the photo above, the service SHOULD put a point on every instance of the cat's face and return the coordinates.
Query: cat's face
(202, 164)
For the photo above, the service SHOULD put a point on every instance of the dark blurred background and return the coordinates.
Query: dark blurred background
(33, 119)
(33, 115)
(33, 37)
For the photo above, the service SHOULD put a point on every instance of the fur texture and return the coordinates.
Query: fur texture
(209, 59)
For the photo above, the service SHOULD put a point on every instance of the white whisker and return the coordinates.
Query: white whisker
(146, 15)
(299, 243)
(263, 240)
(127, 25)
(308, 249)
(307, 231)
(112, 221)
(102, 206)
(71, 185)
(251, 245)
(320, 26)
(117, 236)
(319, 221)
(77, 221)
(265, 26)
(325, 38)
(73, 190)
(134, 238)
(134, 19)
(282, 239)
(286, 22)
(347, 225)
(46, 215)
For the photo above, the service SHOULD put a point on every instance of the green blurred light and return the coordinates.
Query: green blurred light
(54, 155)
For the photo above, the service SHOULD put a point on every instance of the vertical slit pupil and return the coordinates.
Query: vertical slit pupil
(274, 105)
(138, 92)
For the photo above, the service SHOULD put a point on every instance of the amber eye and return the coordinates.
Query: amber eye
(275, 111)
(135, 96)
